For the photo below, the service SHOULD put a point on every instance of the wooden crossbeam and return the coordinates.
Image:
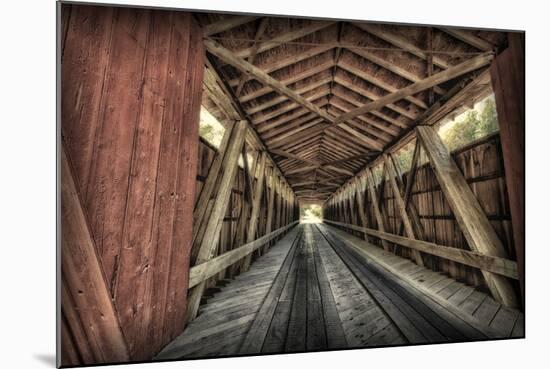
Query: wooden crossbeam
(289, 60)
(376, 206)
(378, 82)
(488, 263)
(294, 156)
(438, 78)
(392, 67)
(241, 64)
(285, 37)
(255, 48)
(202, 272)
(309, 72)
(226, 24)
(92, 311)
(392, 174)
(289, 107)
(209, 242)
(469, 38)
(280, 99)
(258, 190)
(471, 218)
(400, 42)
(342, 81)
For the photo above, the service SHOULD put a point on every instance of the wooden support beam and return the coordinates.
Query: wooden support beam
(359, 188)
(508, 80)
(208, 188)
(293, 156)
(226, 24)
(410, 180)
(277, 100)
(86, 300)
(379, 83)
(255, 47)
(209, 242)
(283, 38)
(376, 207)
(200, 273)
(473, 222)
(469, 38)
(270, 205)
(273, 65)
(258, 190)
(241, 64)
(401, 206)
(392, 67)
(493, 264)
(399, 41)
(438, 78)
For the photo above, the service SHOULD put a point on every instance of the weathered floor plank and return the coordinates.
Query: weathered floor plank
(321, 288)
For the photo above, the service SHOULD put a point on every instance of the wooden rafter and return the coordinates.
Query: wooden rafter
(446, 75)
(239, 63)
(400, 42)
(226, 24)
(255, 48)
(469, 38)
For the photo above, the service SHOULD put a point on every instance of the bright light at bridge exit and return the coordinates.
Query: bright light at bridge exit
(311, 213)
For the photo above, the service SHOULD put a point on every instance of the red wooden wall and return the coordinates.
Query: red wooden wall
(131, 92)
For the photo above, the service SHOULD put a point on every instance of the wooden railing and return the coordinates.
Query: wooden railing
(493, 264)
(202, 272)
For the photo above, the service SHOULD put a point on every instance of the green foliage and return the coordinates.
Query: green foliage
(474, 124)
(404, 156)
(311, 211)
(471, 125)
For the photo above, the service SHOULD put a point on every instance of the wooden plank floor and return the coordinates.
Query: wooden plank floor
(320, 288)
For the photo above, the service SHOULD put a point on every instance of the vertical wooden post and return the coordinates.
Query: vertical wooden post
(410, 181)
(472, 220)
(361, 204)
(508, 79)
(401, 206)
(376, 207)
(209, 185)
(210, 240)
(270, 205)
(279, 202)
(257, 197)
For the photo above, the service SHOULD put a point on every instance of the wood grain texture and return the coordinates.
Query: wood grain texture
(508, 79)
(130, 112)
(472, 220)
(92, 332)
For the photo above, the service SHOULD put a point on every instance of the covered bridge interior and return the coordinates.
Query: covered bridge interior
(173, 247)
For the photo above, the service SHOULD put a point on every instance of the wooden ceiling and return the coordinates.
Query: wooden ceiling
(327, 97)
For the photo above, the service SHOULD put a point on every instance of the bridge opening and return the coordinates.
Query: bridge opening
(311, 213)
(239, 184)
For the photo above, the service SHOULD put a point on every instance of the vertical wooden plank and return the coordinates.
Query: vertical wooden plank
(472, 220)
(110, 163)
(130, 113)
(508, 79)
(83, 69)
(132, 282)
(192, 79)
